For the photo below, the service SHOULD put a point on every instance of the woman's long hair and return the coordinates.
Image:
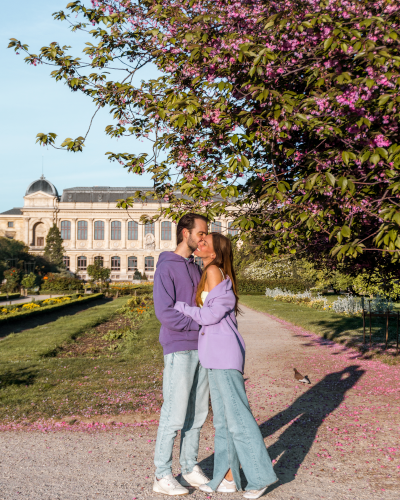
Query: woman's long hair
(223, 260)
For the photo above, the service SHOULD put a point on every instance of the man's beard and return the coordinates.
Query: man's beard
(191, 244)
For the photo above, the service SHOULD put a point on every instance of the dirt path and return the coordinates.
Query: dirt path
(338, 438)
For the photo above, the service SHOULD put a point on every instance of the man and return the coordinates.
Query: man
(185, 383)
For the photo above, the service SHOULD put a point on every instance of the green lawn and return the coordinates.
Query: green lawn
(337, 327)
(38, 382)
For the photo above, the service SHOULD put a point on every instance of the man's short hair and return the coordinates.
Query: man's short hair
(188, 221)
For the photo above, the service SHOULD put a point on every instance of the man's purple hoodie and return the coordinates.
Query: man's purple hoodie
(176, 279)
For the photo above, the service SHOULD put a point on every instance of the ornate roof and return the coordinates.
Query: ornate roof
(42, 184)
(102, 194)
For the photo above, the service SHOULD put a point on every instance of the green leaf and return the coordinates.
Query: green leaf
(328, 43)
(345, 156)
(345, 231)
(384, 99)
(181, 120)
(330, 178)
(375, 158)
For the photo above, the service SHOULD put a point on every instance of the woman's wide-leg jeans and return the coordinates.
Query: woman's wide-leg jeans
(185, 408)
(238, 439)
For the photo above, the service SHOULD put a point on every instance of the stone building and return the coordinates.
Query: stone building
(93, 228)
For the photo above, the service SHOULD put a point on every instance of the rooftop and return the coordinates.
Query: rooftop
(12, 211)
(102, 194)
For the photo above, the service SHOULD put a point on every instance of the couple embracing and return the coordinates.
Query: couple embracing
(204, 354)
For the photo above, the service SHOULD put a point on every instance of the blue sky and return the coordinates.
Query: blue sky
(33, 102)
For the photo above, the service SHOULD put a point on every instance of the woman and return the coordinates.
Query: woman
(221, 351)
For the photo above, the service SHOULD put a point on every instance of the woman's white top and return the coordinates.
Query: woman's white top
(204, 294)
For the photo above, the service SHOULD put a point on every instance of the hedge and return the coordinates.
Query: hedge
(11, 296)
(47, 309)
(247, 286)
(59, 292)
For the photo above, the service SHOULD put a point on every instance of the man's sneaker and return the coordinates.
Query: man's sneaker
(196, 478)
(168, 485)
(254, 493)
(226, 486)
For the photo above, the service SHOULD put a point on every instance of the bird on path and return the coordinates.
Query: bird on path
(301, 378)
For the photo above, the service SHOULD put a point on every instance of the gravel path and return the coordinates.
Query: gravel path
(324, 438)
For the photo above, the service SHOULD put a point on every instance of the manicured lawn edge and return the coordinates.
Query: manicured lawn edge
(47, 309)
(11, 296)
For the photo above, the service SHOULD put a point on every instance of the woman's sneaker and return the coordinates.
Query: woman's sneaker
(205, 488)
(227, 486)
(254, 493)
(168, 485)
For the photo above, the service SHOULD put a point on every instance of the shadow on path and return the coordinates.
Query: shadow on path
(28, 323)
(305, 415)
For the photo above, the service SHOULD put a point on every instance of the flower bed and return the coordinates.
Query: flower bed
(22, 311)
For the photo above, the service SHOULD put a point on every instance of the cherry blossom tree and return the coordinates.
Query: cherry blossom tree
(283, 115)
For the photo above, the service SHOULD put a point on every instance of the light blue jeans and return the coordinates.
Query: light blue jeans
(238, 439)
(185, 408)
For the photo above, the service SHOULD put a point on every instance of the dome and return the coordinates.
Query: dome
(42, 184)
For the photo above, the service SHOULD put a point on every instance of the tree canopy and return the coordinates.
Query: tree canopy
(284, 115)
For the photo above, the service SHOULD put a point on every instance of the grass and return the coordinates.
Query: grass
(38, 382)
(343, 329)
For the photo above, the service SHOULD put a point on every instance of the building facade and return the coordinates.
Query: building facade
(93, 228)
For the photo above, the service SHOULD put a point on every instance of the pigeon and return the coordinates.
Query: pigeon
(301, 378)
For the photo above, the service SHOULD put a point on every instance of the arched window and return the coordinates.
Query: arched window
(66, 262)
(216, 227)
(233, 231)
(199, 261)
(82, 230)
(166, 230)
(66, 229)
(99, 259)
(115, 263)
(149, 228)
(115, 230)
(149, 264)
(82, 263)
(99, 230)
(133, 230)
(132, 263)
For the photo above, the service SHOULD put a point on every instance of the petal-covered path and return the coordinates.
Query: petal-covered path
(338, 438)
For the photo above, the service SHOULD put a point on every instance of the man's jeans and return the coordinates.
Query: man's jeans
(185, 407)
(238, 438)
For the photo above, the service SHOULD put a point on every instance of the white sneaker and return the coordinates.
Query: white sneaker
(196, 478)
(205, 488)
(254, 493)
(227, 486)
(168, 485)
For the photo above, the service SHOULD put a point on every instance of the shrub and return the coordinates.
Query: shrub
(347, 305)
(376, 284)
(304, 298)
(11, 296)
(53, 282)
(258, 286)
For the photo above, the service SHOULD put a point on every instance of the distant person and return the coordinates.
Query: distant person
(238, 439)
(185, 382)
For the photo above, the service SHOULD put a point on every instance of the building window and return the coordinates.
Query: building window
(99, 230)
(199, 261)
(100, 260)
(66, 262)
(133, 230)
(82, 230)
(29, 267)
(216, 227)
(149, 264)
(10, 224)
(66, 229)
(115, 230)
(40, 241)
(115, 263)
(82, 263)
(149, 228)
(233, 231)
(166, 230)
(132, 263)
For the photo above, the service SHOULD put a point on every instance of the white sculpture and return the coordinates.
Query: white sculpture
(150, 242)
